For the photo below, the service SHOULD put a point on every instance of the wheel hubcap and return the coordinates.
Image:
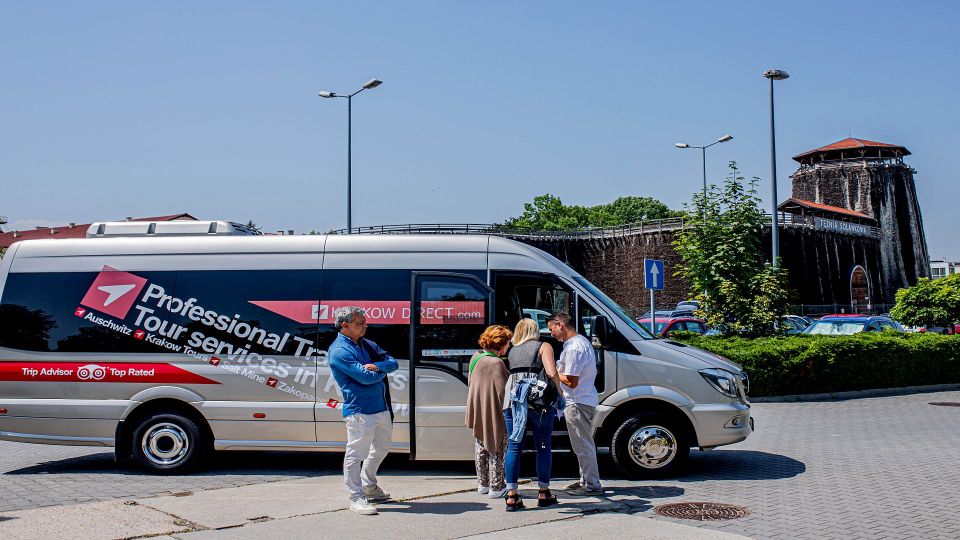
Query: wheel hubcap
(165, 444)
(652, 447)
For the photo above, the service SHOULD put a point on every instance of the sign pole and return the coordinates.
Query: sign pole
(653, 316)
(653, 280)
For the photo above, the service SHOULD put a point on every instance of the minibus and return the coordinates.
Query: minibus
(171, 341)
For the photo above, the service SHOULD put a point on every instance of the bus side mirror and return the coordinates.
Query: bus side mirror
(599, 331)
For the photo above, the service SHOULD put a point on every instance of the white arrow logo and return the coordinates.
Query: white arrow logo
(654, 273)
(114, 292)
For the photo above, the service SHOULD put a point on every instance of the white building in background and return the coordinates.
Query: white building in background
(943, 268)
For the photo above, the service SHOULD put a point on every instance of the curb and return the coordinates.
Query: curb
(858, 394)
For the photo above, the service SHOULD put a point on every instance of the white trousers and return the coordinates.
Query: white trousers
(368, 441)
(579, 421)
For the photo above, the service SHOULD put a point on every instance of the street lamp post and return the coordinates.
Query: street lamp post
(372, 83)
(774, 75)
(703, 157)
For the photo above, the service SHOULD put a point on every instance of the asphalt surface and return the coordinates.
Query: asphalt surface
(863, 468)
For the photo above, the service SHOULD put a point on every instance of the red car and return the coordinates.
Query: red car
(953, 329)
(666, 326)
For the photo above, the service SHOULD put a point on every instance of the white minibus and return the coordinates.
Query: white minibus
(172, 342)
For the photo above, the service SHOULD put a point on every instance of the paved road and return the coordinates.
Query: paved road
(867, 468)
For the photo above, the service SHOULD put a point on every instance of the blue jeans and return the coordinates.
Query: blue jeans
(541, 424)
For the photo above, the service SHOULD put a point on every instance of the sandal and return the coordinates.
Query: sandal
(517, 503)
(546, 498)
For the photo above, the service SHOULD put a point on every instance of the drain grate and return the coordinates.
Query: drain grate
(945, 403)
(702, 511)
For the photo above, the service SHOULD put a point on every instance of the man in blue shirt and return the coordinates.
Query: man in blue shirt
(360, 368)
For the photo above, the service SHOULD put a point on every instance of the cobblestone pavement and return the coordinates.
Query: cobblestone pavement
(865, 468)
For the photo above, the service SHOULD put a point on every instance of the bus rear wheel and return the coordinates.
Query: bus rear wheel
(167, 443)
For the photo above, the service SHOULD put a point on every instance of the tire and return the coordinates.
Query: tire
(167, 443)
(122, 454)
(650, 445)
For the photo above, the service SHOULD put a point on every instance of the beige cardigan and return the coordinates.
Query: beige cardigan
(485, 402)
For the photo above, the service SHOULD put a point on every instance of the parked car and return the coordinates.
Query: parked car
(669, 314)
(949, 330)
(847, 325)
(666, 326)
(793, 324)
(688, 305)
(540, 317)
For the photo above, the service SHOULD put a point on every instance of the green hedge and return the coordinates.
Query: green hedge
(804, 364)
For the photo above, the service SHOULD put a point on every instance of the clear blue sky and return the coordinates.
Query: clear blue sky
(113, 109)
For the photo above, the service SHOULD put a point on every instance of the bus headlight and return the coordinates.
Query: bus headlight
(721, 380)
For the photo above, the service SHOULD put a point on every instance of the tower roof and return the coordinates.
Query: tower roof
(793, 203)
(853, 149)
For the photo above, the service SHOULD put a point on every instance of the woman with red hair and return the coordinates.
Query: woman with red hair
(487, 386)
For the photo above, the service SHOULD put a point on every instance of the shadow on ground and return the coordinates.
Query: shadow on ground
(442, 508)
(281, 464)
(740, 465)
(713, 465)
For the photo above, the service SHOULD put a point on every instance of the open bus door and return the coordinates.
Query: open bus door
(449, 311)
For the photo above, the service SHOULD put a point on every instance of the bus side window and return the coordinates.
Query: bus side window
(532, 296)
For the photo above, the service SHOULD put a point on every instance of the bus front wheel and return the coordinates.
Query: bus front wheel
(650, 445)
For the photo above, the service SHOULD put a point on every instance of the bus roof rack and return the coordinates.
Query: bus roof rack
(113, 229)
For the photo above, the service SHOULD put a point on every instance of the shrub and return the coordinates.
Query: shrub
(806, 364)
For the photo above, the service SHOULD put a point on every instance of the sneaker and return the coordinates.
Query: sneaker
(575, 485)
(362, 507)
(498, 493)
(584, 491)
(375, 494)
(483, 490)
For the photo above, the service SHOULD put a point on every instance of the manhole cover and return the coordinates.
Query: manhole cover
(702, 511)
(945, 403)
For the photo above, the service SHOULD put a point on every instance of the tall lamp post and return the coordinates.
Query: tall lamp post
(372, 83)
(774, 75)
(703, 156)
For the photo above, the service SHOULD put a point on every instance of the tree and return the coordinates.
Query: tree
(548, 213)
(931, 302)
(24, 328)
(723, 263)
(627, 210)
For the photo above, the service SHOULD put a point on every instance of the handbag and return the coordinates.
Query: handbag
(543, 393)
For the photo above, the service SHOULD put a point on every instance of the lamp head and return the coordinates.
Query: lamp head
(372, 83)
(775, 74)
(325, 94)
(725, 138)
(682, 145)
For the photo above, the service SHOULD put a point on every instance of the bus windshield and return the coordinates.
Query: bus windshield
(644, 332)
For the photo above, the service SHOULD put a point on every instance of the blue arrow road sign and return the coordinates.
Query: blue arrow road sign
(653, 274)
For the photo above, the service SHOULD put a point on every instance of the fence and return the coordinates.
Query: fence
(807, 310)
(816, 310)
(786, 220)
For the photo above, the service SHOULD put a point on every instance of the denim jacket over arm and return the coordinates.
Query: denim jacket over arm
(363, 390)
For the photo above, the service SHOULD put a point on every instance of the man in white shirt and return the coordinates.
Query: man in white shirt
(577, 367)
